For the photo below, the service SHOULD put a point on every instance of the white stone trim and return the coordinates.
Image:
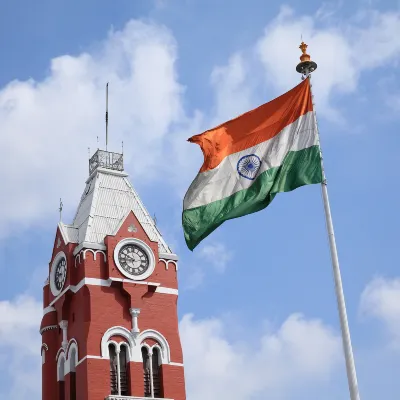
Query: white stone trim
(107, 283)
(71, 363)
(168, 256)
(117, 331)
(89, 357)
(48, 328)
(146, 248)
(166, 290)
(63, 234)
(56, 259)
(135, 312)
(60, 365)
(94, 252)
(48, 310)
(89, 245)
(43, 350)
(167, 262)
(165, 351)
(176, 364)
(64, 326)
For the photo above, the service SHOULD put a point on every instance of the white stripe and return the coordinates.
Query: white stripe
(107, 283)
(224, 180)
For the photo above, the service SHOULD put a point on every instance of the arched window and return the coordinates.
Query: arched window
(123, 376)
(113, 369)
(119, 383)
(152, 372)
(146, 372)
(156, 373)
(72, 382)
(60, 376)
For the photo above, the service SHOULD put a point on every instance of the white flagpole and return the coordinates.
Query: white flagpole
(306, 67)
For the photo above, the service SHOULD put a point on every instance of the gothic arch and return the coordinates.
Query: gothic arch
(72, 356)
(43, 350)
(163, 346)
(121, 331)
(61, 367)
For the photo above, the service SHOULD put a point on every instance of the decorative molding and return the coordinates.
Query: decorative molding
(146, 248)
(168, 256)
(132, 228)
(121, 331)
(56, 259)
(89, 245)
(48, 309)
(72, 356)
(94, 252)
(63, 235)
(167, 262)
(135, 327)
(64, 326)
(165, 351)
(60, 366)
(44, 346)
(48, 328)
(89, 357)
(43, 350)
(165, 290)
(107, 283)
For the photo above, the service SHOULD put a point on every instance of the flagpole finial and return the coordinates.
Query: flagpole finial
(306, 66)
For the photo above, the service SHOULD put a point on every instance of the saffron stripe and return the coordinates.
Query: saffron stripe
(253, 127)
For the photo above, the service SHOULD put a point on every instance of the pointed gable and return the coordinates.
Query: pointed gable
(105, 203)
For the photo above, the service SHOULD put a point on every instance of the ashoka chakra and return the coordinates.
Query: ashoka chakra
(248, 166)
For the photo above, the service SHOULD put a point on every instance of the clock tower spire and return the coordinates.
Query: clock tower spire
(110, 325)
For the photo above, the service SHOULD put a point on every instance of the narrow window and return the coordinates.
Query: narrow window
(146, 372)
(61, 388)
(156, 369)
(123, 376)
(113, 369)
(72, 375)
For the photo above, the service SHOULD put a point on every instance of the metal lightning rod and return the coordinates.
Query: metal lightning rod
(106, 116)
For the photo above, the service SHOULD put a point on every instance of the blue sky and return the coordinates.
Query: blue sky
(257, 296)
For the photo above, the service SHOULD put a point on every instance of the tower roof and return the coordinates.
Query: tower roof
(105, 203)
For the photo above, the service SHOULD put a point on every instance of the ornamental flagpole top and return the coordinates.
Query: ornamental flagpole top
(306, 66)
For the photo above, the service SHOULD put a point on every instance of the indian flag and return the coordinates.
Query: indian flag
(248, 160)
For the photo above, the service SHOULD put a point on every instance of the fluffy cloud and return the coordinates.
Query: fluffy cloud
(20, 348)
(48, 126)
(343, 50)
(300, 353)
(381, 299)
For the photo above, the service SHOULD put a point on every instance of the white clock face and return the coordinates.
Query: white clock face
(134, 259)
(58, 273)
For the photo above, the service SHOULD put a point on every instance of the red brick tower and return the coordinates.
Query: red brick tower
(110, 324)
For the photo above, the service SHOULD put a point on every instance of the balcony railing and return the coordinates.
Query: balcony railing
(118, 397)
(106, 159)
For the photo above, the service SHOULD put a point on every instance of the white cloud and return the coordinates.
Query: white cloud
(342, 49)
(217, 255)
(301, 354)
(20, 348)
(47, 126)
(381, 299)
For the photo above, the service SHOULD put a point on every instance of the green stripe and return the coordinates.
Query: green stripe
(299, 168)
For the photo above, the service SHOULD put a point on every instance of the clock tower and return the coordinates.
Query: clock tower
(110, 325)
